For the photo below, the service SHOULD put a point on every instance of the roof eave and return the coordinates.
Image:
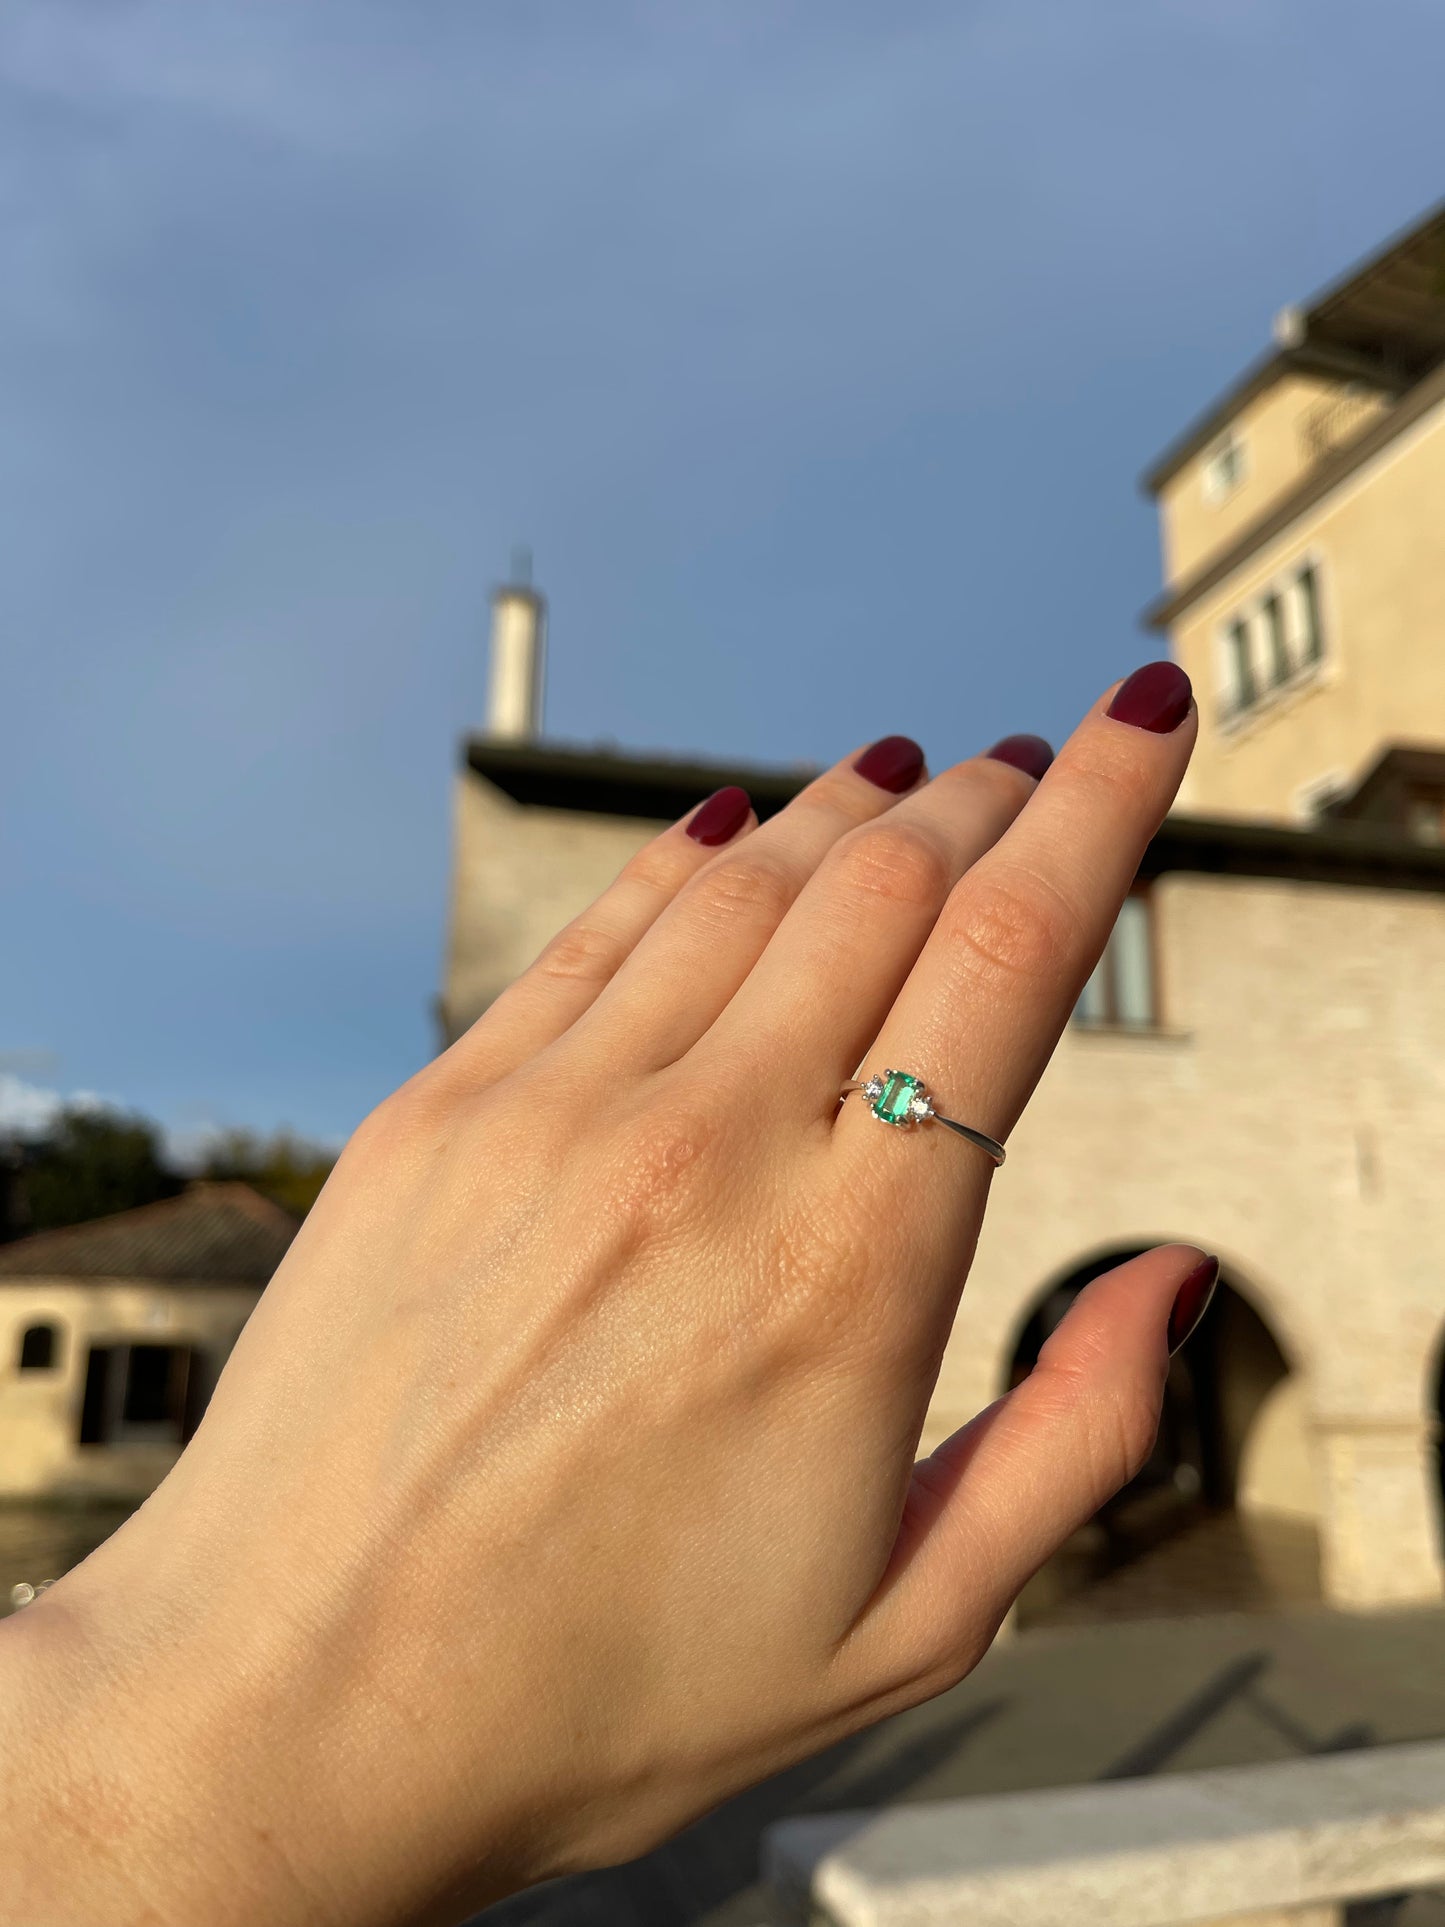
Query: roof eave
(1311, 358)
(1321, 481)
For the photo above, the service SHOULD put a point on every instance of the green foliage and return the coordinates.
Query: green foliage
(93, 1162)
(283, 1167)
(90, 1163)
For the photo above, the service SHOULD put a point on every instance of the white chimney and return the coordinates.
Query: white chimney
(519, 631)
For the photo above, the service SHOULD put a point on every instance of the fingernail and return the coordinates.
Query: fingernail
(721, 817)
(894, 763)
(1191, 1302)
(1155, 697)
(1031, 754)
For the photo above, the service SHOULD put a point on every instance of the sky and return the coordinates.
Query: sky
(814, 349)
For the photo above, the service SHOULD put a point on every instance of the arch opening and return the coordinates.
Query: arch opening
(1224, 1515)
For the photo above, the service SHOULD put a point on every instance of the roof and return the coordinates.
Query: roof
(1391, 308)
(607, 782)
(1400, 770)
(1262, 374)
(1318, 482)
(1383, 321)
(213, 1233)
(611, 783)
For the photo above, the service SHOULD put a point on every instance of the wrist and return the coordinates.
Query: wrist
(173, 1752)
(112, 1803)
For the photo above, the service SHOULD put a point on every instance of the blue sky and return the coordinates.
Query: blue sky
(815, 349)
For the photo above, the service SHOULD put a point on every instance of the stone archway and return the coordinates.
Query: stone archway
(1224, 1516)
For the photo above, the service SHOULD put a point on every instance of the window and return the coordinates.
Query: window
(1121, 992)
(1242, 691)
(1287, 650)
(37, 1349)
(141, 1394)
(1224, 467)
(1272, 609)
(1307, 588)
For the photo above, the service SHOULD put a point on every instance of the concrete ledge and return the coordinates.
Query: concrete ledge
(1287, 1842)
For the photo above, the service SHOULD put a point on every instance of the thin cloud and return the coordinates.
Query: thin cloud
(29, 1110)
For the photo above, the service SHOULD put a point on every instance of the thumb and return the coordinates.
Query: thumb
(1002, 1495)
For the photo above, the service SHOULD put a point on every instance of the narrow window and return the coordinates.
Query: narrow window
(1272, 609)
(37, 1348)
(1132, 945)
(1121, 992)
(93, 1411)
(1312, 642)
(1224, 467)
(1241, 667)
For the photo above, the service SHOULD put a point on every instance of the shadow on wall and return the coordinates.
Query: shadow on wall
(1224, 1516)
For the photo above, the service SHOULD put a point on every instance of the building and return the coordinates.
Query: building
(1301, 529)
(1258, 1065)
(112, 1335)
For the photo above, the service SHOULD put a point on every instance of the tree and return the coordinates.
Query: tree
(89, 1163)
(283, 1167)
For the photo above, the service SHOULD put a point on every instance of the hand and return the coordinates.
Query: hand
(562, 1483)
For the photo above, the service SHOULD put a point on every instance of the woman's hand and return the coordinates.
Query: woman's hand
(562, 1482)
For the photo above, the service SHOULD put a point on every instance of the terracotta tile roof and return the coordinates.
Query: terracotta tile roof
(213, 1233)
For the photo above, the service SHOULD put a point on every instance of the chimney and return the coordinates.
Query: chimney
(519, 630)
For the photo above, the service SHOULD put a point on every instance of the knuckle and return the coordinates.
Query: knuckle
(1109, 786)
(660, 867)
(1007, 925)
(412, 1113)
(584, 953)
(661, 1163)
(1120, 1420)
(899, 863)
(754, 888)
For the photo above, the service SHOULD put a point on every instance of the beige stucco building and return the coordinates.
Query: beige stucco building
(1303, 527)
(112, 1335)
(1259, 1063)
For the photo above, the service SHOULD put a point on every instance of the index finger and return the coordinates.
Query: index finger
(996, 983)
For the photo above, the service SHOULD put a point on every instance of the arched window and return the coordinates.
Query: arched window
(37, 1348)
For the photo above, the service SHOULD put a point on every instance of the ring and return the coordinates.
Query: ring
(898, 1097)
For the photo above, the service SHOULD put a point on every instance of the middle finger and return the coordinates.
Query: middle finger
(842, 954)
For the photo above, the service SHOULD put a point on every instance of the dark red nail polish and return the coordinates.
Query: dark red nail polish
(720, 818)
(894, 763)
(1155, 697)
(1191, 1302)
(1031, 754)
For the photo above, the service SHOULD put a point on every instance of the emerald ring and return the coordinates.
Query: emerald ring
(900, 1098)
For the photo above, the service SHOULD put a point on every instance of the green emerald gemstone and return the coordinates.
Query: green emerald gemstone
(894, 1102)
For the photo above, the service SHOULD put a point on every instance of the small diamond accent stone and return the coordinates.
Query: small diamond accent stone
(920, 1107)
(873, 1089)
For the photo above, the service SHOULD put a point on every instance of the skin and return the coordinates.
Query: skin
(563, 1482)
